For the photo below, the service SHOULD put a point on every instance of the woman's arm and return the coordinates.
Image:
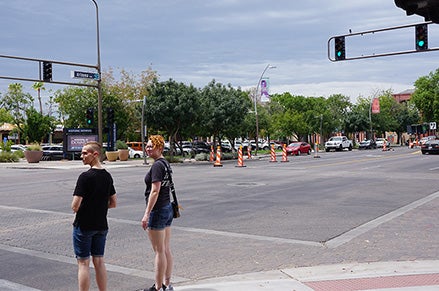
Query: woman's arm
(155, 190)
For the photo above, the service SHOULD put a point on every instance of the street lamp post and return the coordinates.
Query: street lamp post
(98, 67)
(145, 162)
(256, 109)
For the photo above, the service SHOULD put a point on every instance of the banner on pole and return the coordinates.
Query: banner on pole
(265, 86)
(375, 105)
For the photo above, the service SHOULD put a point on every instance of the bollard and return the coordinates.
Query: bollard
(284, 154)
(218, 158)
(273, 155)
(240, 159)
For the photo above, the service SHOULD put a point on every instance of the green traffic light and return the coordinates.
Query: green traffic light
(338, 54)
(421, 43)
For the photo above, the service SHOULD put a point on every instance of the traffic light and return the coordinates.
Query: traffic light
(110, 116)
(340, 52)
(421, 37)
(426, 8)
(89, 116)
(47, 71)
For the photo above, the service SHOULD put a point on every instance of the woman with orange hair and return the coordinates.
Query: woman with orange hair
(158, 214)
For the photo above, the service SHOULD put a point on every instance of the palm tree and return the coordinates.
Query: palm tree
(38, 86)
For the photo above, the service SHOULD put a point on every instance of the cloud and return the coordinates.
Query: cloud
(231, 41)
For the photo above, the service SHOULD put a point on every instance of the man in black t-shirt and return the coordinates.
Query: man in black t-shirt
(93, 195)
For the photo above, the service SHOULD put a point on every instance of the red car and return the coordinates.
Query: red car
(297, 148)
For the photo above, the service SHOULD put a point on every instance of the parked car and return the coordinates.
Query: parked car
(56, 152)
(266, 146)
(135, 154)
(380, 142)
(430, 147)
(427, 138)
(177, 151)
(201, 147)
(367, 144)
(135, 145)
(297, 148)
(18, 147)
(338, 143)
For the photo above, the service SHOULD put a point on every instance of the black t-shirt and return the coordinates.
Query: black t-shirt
(95, 186)
(158, 172)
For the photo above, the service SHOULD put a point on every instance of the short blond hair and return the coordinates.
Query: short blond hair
(93, 146)
(157, 141)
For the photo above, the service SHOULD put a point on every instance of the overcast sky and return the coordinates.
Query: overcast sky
(231, 41)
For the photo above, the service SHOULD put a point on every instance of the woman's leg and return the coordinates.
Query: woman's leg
(157, 238)
(169, 257)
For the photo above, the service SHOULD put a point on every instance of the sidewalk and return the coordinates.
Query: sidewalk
(395, 276)
(76, 164)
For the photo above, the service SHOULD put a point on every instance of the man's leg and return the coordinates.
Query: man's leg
(101, 273)
(84, 274)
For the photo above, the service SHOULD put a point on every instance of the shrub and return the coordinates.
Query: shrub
(34, 147)
(174, 159)
(121, 145)
(202, 157)
(7, 157)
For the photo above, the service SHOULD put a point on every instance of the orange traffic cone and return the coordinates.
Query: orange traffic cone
(218, 158)
(284, 153)
(249, 152)
(211, 154)
(273, 155)
(240, 160)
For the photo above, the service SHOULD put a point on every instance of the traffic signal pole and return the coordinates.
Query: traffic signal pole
(340, 51)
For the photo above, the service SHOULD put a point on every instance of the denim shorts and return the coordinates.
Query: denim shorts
(89, 242)
(161, 218)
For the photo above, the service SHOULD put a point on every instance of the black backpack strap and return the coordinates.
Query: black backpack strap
(171, 186)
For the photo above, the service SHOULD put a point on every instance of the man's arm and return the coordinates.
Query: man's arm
(76, 202)
(112, 201)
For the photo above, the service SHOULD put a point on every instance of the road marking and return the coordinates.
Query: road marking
(11, 286)
(72, 261)
(332, 243)
(355, 232)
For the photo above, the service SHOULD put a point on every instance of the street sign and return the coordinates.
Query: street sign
(84, 75)
(432, 125)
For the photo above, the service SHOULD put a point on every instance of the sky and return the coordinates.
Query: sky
(231, 41)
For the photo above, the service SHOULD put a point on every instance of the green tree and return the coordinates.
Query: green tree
(338, 107)
(223, 109)
(172, 108)
(37, 126)
(426, 96)
(38, 86)
(16, 102)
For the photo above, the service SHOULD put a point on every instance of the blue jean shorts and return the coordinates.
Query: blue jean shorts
(89, 242)
(161, 218)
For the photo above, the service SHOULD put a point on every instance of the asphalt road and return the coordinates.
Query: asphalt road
(358, 206)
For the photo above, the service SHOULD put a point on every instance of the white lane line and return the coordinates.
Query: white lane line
(11, 286)
(72, 261)
(332, 243)
(355, 232)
